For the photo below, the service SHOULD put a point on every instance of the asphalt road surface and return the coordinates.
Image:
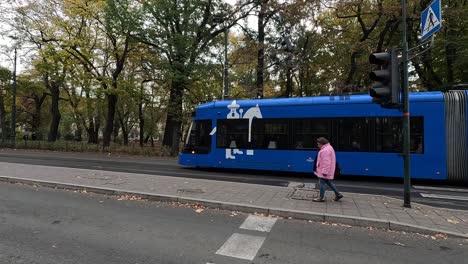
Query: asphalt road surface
(425, 192)
(41, 225)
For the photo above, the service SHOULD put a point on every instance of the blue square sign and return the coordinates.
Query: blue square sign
(431, 19)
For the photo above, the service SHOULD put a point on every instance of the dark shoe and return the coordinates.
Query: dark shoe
(318, 200)
(338, 197)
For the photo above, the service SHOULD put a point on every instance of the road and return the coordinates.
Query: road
(430, 193)
(41, 225)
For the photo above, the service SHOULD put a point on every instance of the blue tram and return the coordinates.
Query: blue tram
(280, 134)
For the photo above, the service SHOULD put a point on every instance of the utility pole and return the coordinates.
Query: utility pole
(406, 114)
(220, 19)
(226, 66)
(13, 104)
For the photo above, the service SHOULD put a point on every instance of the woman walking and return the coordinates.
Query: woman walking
(325, 169)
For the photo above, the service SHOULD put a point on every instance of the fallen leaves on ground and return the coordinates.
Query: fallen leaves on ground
(334, 224)
(453, 221)
(399, 244)
(442, 236)
(127, 197)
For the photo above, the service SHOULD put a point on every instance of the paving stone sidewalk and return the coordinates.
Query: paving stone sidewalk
(355, 209)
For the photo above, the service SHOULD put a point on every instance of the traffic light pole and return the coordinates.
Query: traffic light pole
(406, 114)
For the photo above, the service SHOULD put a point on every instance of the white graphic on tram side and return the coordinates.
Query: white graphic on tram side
(213, 131)
(237, 113)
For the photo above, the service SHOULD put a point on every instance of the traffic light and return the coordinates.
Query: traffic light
(385, 90)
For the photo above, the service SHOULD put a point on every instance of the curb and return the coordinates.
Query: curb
(246, 208)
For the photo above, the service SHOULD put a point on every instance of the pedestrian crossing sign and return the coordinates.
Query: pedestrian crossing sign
(431, 19)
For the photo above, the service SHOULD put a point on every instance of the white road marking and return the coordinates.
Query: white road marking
(439, 188)
(448, 197)
(258, 223)
(241, 246)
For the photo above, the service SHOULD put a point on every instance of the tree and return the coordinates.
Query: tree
(5, 78)
(33, 94)
(86, 99)
(182, 31)
(52, 65)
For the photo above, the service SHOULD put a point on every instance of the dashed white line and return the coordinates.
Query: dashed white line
(440, 188)
(241, 246)
(258, 223)
(448, 197)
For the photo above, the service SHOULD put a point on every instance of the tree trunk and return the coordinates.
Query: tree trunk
(174, 112)
(260, 49)
(433, 80)
(353, 68)
(36, 122)
(111, 104)
(450, 52)
(142, 119)
(141, 116)
(2, 119)
(115, 132)
(79, 132)
(121, 122)
(54, 108)
(289, 84)
(92, 134)
(125, 136)
(93, 129)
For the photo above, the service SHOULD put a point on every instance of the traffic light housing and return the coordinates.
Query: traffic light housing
(385, 90)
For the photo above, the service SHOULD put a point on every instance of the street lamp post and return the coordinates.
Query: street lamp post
(220, 19)
(2, 109)
(13, 92)
(226, 66)
(13, 104)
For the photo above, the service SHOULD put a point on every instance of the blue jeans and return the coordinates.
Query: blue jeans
(330, 184)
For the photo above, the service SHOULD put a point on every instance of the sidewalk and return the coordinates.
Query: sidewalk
(355, 209)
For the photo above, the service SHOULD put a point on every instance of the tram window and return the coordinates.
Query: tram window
(204, 137)
(353, 134)
(199, 139)
(388, 134)
(306, 132)
(192, 137)
(269, 134)
(417, 134)
(232, 133)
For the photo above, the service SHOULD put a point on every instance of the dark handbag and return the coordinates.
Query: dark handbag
(337, 170)
(314, 169)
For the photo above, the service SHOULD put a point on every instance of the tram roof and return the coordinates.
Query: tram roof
(320, 100)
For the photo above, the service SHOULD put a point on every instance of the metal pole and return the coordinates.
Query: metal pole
(226, 69)
(406, 115)
(13, 104)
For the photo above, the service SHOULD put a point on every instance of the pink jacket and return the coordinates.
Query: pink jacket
(326, 162)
